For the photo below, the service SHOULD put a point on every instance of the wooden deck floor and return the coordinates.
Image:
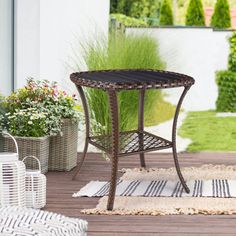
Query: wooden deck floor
(60, 189)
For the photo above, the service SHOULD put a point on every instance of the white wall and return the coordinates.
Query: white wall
(6, 50)
(48, 31)
(198, 52)
(27, 43)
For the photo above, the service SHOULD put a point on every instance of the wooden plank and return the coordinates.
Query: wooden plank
(60, 188)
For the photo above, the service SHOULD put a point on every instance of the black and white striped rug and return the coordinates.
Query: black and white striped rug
(221, 188)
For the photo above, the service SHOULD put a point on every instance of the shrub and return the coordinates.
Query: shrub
(124, 7)
(195, 14)
(166, 15)
(123, 52)
(113, 6)
(232, 55)
(145, 8)
(138, 8)
(128, 21)
(226, 101)
(221, 17)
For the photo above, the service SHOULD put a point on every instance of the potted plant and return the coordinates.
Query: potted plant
(61, 123)
(29, 128)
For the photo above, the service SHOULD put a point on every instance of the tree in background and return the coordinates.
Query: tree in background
(221, 16)
(166, 14)
(124, 6)
(113, 6)
(195, 14)
(145, 8)
(138, 8)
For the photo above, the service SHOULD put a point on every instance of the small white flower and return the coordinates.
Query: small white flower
(30, 122)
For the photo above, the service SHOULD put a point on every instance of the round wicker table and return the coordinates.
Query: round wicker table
(135, 141)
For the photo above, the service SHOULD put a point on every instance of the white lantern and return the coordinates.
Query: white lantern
(35, 186)
(12, 178)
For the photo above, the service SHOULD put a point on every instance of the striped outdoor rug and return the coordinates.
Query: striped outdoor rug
(157, 191)
(221, 188)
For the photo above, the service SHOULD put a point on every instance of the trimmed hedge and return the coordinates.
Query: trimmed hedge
(232, 55)
(166, 15)
(226, 101)
(221, 17)
(195, 14)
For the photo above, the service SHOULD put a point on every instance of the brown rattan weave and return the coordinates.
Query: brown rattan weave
(63, 148)
(31, 146)
(131, 79)
(130, 142)
(139, 141)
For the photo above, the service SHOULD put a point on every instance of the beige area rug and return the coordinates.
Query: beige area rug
(138, 205)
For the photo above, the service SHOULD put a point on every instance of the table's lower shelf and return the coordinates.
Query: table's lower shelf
(131, 142)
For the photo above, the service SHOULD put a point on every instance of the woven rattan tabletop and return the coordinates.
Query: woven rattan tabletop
(131, 79)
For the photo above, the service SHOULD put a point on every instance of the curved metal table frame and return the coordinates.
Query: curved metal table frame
(113, 103)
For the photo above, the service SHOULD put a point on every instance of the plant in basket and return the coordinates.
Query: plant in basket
(47, 110)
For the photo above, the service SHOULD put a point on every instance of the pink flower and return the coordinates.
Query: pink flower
(55, 92)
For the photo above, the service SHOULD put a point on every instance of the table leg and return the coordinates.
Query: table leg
(87, 124)
(174, 140)
(141, 125)
(115, 146)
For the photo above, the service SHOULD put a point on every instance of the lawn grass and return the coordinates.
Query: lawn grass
(208, 132)
(162, 111)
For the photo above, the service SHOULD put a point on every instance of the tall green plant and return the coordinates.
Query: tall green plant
(232, 55)
(226, 81)
(123, 52)
(221, 17)
(195, 14)
(166, 14)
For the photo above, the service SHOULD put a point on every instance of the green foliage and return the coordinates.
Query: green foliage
(2, 113)
(232, 55)
(226, 81)
(199, 126)
(195, 14)
(124, 7)
(123, 52)
(128, 21)
(226, 101)
(45, 98)
(145, 8)
(221, 17)
(166, 15)
(28, 122)
(138, 8)
(113, 6)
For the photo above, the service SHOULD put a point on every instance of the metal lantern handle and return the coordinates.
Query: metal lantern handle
(17, 149)
(35, 158)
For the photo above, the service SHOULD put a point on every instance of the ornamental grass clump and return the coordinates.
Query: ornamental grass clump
(34, 100)
(121, 52)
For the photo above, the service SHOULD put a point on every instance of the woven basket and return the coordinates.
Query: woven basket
(63, 148)
(31, 146)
